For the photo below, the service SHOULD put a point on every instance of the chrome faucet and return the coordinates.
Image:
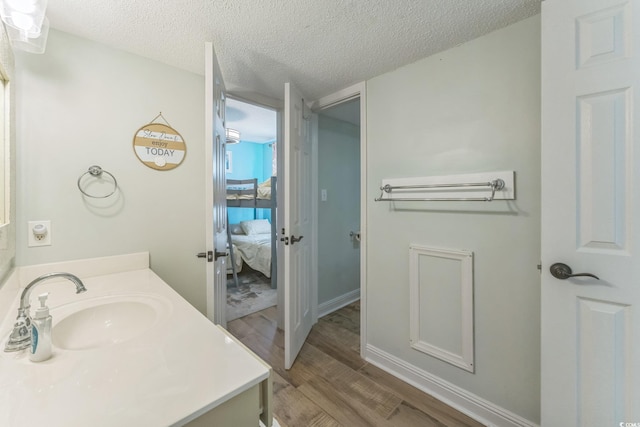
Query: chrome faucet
(20, 338)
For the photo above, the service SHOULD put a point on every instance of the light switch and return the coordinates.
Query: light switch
(323, 194)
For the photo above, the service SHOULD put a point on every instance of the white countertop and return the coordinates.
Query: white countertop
(181, 367)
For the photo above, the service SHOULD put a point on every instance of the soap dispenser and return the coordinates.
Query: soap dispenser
(41, 332)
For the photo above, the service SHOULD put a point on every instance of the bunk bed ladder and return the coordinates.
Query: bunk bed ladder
(231, 254)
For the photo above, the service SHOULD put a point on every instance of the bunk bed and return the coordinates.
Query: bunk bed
(254, 249)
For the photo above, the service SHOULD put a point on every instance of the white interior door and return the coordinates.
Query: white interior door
(215, 187)
(298, 295)
(590, 212)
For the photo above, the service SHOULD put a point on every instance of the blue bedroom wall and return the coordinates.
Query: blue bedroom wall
(249, 160)
(267, 157)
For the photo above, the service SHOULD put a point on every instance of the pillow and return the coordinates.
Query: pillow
(266, 183)
(256, 226)
(236, 229)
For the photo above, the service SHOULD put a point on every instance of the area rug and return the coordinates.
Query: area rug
(253, 294)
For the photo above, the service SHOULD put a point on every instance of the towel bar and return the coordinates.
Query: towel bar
(493, 185)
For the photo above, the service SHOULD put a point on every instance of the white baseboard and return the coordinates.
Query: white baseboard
(339, 302)
(274, 421)
(454, 396)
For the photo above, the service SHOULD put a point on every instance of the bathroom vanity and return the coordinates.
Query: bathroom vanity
(127, 352)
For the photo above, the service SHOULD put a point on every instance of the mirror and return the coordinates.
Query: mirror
(7, 161)
(4, 153)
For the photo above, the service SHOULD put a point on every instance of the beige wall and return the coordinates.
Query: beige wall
(79, 105)
(470, 109)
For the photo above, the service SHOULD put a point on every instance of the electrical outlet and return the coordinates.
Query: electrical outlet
(39, 233)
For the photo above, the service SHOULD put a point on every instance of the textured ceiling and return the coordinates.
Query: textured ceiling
(321, 46)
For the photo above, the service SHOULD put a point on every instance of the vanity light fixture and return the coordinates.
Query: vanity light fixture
(233, 136)
(20, 40)
(26, 16)
(26, 24)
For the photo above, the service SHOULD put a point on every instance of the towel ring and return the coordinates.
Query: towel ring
(96, 171)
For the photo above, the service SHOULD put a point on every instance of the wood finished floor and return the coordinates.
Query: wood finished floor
(330, 385)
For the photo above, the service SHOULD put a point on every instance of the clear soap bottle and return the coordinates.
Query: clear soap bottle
(40, 349)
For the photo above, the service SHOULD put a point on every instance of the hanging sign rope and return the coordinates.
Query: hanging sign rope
(159, 146)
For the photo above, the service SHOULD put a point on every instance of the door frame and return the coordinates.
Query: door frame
(346, 94)
(277, 106)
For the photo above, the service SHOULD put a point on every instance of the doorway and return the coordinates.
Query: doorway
(348, 106)
(337, 299)
(338, 210)
(251, 176)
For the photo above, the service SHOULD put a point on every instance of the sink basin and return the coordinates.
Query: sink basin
(100, 322)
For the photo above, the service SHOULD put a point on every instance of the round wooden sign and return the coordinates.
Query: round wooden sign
(159, 146)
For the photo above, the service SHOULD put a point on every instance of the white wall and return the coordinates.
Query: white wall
(339, 174)
(470, 109)
(80, 104)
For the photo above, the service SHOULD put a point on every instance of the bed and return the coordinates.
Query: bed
(247, 193)
(253, 249)
(256, 248)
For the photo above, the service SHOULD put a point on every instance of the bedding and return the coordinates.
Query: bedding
(255, 250)
(256, 226)
(236, 229)
(238, 258)
(263, 191)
